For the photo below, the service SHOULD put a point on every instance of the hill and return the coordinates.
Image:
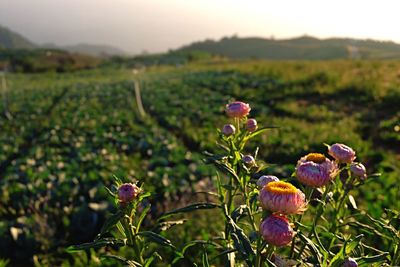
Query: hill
(13, 40)
(304, 47)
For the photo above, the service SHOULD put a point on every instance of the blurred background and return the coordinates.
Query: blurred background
(95, 88)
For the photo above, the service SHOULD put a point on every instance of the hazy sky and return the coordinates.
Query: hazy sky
(157, 25)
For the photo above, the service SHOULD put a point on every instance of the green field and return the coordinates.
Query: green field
(68, 134)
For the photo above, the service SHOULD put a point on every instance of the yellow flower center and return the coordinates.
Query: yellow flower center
(281, 188)
(315, 157)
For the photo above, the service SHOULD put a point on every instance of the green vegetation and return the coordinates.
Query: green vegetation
(304, 48)
(45, 60)
(70, 133)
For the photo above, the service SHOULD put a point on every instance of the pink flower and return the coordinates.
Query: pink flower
(282, 197)
(228, 129)
(251, 125)
(237, 109)
(315, 170)
(265, 179)
(358, 170)
(248, 160)
(350, 262)
(342, 153)
(127, 192)
(276, 230)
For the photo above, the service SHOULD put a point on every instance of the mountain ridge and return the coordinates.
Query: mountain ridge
(10, 39)
(302, 47)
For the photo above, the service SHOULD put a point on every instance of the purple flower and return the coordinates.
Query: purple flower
(342, 153)
(315, 170)
(282, 197)
(228, 129)
(238, 109)
(350, 262)
(265, 179)
(358, 170)
(276, 230)
(251, 125)
(127, 192)
(248, 160)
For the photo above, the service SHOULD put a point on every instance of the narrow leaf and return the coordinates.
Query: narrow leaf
(156, 238)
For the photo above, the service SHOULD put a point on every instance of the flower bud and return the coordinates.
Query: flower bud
(265, 179)
(358, 170)
(249, 161)
(276, 230)
(282, 197)
(228, 129)
(237, 109)
(342, 153)
(251, 125)
(350, 262)
(127, 192)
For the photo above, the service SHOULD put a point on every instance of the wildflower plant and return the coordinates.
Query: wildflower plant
(130, 201)
(271, 222)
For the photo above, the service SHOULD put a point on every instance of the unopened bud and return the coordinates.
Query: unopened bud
(251, 125)
(228, 129)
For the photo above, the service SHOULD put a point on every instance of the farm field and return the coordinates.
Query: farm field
(68, 134)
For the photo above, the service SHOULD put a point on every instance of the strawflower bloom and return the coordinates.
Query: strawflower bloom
(315, 170)
(228, 129)
(282, 197)
(127, 192)
(358, 170)
(249, 161)
(276, 230)
(265, 179)
(251, 125)
(350, 262)
(342, 153)
(237, 109)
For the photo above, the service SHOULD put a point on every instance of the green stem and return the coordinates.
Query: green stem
(258, 255)
(339, 206)
(126, 223)
(316, 217)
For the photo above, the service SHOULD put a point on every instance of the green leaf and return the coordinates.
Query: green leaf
(240, 240)
(239, 212)
(142, 216)
(111, 222)
(372, 259)
(191, 207)
(110, 192)
(149, 260)
(260, 131)
(156, 238)
(350, 246)
(204, 259)
(313, 248)
(130, 263)
(96, 244)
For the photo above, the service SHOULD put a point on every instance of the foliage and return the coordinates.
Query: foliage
(70, 132)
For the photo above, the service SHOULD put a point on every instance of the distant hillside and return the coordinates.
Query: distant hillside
(13, 40)
(89, 49)
(304, 47)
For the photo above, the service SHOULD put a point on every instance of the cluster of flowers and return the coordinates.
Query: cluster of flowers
(280, 198)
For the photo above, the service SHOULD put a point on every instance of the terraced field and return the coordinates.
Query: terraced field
(68, 134)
